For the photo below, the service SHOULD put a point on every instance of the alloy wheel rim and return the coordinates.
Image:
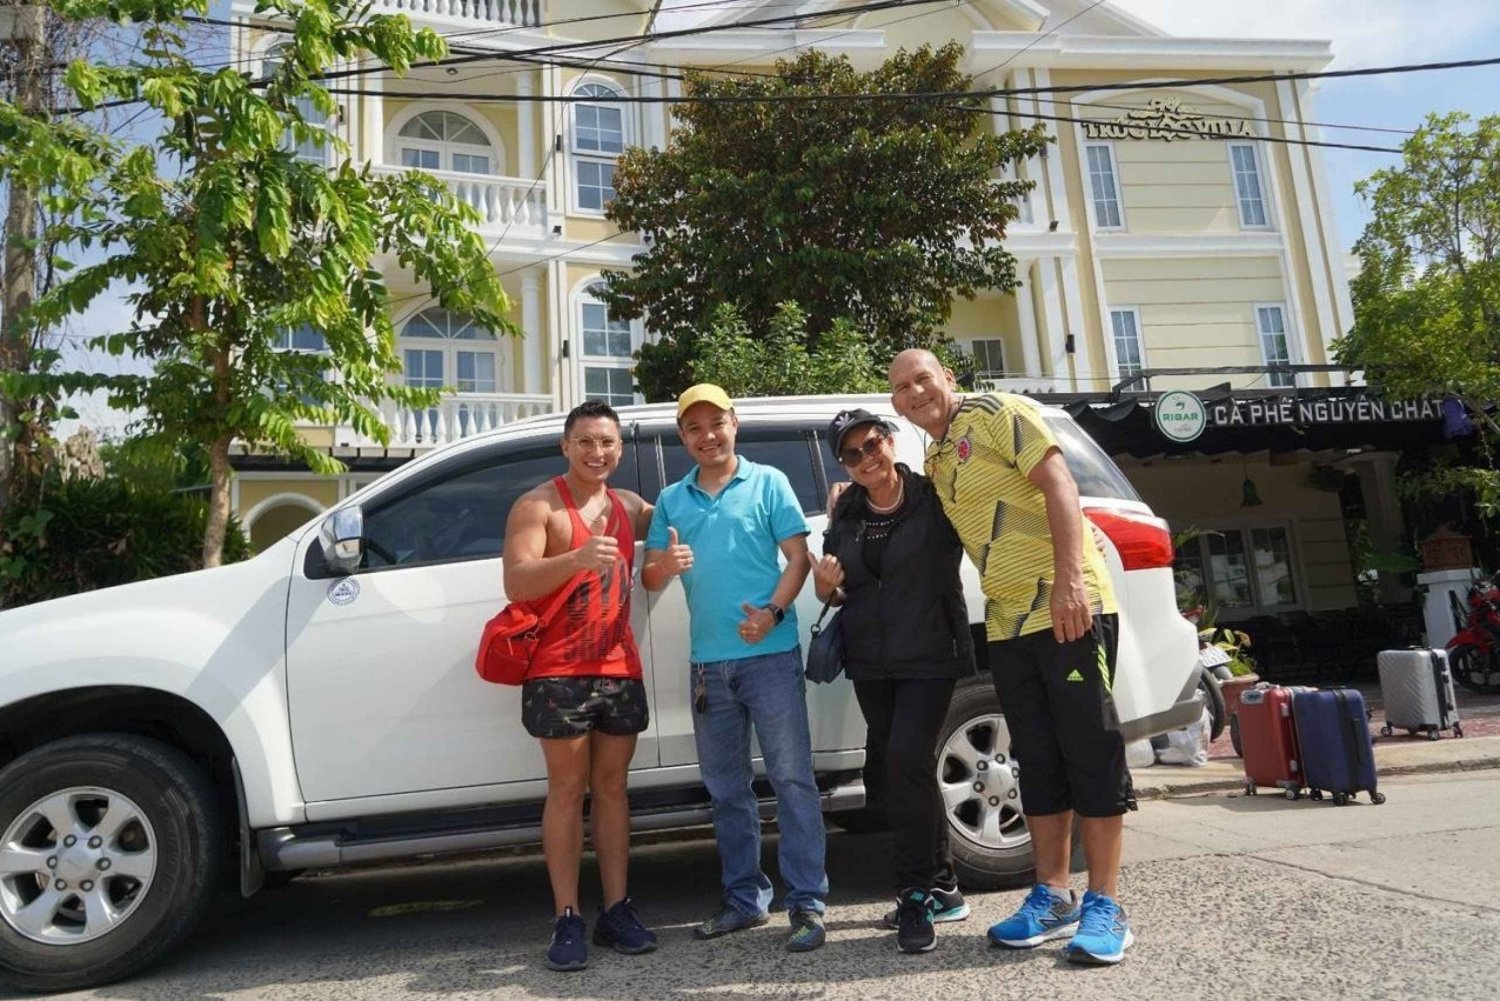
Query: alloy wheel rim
(75, 865)
(979, 782)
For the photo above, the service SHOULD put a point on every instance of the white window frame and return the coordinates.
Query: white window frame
(602, 158)
(1244, 527)
(1261, 183)
(272, 56)
(1287, 333)
(585, 297)
(1114, 180)
(998, 344)
(1140, 344)
(449, 347)
(393, 139)
(446, 149)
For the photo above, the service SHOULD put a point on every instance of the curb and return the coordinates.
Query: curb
(1186, 789)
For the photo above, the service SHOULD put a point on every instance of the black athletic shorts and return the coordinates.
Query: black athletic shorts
(1064, 731)
(571, 707)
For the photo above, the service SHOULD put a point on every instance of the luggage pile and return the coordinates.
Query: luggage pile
(1303, 738)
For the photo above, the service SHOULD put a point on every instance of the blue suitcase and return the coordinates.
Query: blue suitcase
(1333, 734)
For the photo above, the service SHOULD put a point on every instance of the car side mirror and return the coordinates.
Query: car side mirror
(342, 537)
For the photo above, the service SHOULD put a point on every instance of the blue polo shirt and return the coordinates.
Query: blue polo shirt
(735, 537)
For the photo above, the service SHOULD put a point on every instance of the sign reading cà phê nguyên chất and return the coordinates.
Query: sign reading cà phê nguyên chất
(1168, 121)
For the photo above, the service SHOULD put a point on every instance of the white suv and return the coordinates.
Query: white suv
(279, 715)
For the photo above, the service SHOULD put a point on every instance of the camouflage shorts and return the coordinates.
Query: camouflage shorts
(572, 707)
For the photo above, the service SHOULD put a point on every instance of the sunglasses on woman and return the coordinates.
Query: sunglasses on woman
(852, 457)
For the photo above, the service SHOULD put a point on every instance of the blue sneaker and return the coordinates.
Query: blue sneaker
(568, 950)
(1103, 934)
(1044, 915)
(728, 919)
(620, 929)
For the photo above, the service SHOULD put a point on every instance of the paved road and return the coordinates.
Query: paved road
(1230, 898)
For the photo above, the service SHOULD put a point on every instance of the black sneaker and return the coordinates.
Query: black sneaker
(807, 931)
(951, 906)
(914, 931)
(568, 951)
(620, 929)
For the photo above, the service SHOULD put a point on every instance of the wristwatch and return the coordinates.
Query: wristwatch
(777, 612)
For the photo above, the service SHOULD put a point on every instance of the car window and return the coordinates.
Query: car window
(789, 449)
(1095, 472)
(462, 517)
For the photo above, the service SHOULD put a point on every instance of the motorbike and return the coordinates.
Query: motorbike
(1474, 652)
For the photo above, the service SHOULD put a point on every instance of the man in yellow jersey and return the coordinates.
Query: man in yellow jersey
(1051, 618)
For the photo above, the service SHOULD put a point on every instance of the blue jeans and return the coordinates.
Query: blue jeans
(769, 692)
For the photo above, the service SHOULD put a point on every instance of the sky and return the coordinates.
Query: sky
(1362, 32)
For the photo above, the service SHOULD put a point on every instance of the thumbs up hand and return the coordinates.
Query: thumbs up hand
(678, 558)
(598, 554)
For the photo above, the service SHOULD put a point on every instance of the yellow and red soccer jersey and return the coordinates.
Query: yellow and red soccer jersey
(980, 469)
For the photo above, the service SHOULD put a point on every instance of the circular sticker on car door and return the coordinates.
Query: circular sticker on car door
(343, 591)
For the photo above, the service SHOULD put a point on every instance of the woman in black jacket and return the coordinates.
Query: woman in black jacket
(890, 559)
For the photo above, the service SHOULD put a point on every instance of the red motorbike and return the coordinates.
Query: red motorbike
(1474, 654)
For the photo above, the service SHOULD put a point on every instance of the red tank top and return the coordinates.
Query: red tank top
(591, 636)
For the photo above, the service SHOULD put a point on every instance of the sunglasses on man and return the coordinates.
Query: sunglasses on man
(851, 457)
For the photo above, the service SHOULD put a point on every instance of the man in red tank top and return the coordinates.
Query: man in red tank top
(583, 697)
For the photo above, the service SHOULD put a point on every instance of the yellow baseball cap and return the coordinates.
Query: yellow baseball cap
(704, 392)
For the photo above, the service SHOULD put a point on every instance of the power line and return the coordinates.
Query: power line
(1037, 41)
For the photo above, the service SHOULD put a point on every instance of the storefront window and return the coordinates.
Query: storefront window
(1227, 568)
(1240, 569)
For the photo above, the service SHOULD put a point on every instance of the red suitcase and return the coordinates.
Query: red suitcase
(1269, 741)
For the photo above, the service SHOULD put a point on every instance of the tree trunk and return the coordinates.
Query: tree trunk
(20, 245)
(218, 503)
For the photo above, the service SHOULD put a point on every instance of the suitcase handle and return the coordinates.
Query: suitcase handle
(1437, 679)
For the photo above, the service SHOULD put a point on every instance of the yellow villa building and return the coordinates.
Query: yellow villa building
(1170, 227)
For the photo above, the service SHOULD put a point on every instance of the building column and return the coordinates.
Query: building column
(1031, 346)
(1377, 482)
(370, 142)
(526, 151)
(533, 335)
(1055, 341)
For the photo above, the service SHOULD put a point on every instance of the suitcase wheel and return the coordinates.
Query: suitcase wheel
(1340, 799)
(1315, 794)
(1432, 735)
(1386, 731)
(1250, 789)
(1293, 794)
(1458, 731)
(1377, 798)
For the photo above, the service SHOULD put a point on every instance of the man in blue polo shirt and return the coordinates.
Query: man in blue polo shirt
(722, 529)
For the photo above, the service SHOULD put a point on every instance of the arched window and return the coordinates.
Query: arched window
(445, 140)
(441, 348)
(598, 139)
(312, 150)
(607, 362)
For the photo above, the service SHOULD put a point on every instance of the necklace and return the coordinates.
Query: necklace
(900, 496)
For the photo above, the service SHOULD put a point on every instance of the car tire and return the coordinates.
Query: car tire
(158, 856)
(1213, 699)
(986, 831)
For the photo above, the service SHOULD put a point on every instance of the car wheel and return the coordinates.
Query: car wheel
(978, 781)
(112, 846)
(1213, 699)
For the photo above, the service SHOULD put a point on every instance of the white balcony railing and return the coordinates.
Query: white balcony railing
(458, 417)
(526, 13)
(507, 205)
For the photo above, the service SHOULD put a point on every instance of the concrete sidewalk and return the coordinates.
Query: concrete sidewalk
(1412, 756)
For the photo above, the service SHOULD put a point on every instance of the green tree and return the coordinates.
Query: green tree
(233, 240)
(823, 194)
(781, 363)
(1427, 296)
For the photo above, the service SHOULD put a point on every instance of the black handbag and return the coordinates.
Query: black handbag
(825, 652)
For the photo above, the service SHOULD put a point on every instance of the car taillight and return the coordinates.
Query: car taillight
(1144, 542)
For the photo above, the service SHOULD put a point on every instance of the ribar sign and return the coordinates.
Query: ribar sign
(1168, 121)
(1275, 413)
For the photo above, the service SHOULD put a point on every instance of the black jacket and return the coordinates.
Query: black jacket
(911, 621)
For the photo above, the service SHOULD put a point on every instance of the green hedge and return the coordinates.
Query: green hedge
(87, 534)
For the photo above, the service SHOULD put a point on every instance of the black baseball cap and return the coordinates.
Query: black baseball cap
(847, 420)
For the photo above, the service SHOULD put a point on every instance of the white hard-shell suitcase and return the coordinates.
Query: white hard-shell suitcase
(1417, 689)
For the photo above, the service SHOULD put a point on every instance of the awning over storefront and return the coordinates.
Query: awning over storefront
(1219, 420)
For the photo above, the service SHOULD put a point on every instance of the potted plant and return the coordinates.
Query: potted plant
(1234, 643)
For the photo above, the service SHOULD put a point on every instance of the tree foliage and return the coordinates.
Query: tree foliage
(781, 363)
(230, 240)
(1427, 296)
(804, 187)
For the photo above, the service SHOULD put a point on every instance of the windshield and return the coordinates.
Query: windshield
(1095, 472)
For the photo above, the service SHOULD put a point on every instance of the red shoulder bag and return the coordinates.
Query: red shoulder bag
(509, 642)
